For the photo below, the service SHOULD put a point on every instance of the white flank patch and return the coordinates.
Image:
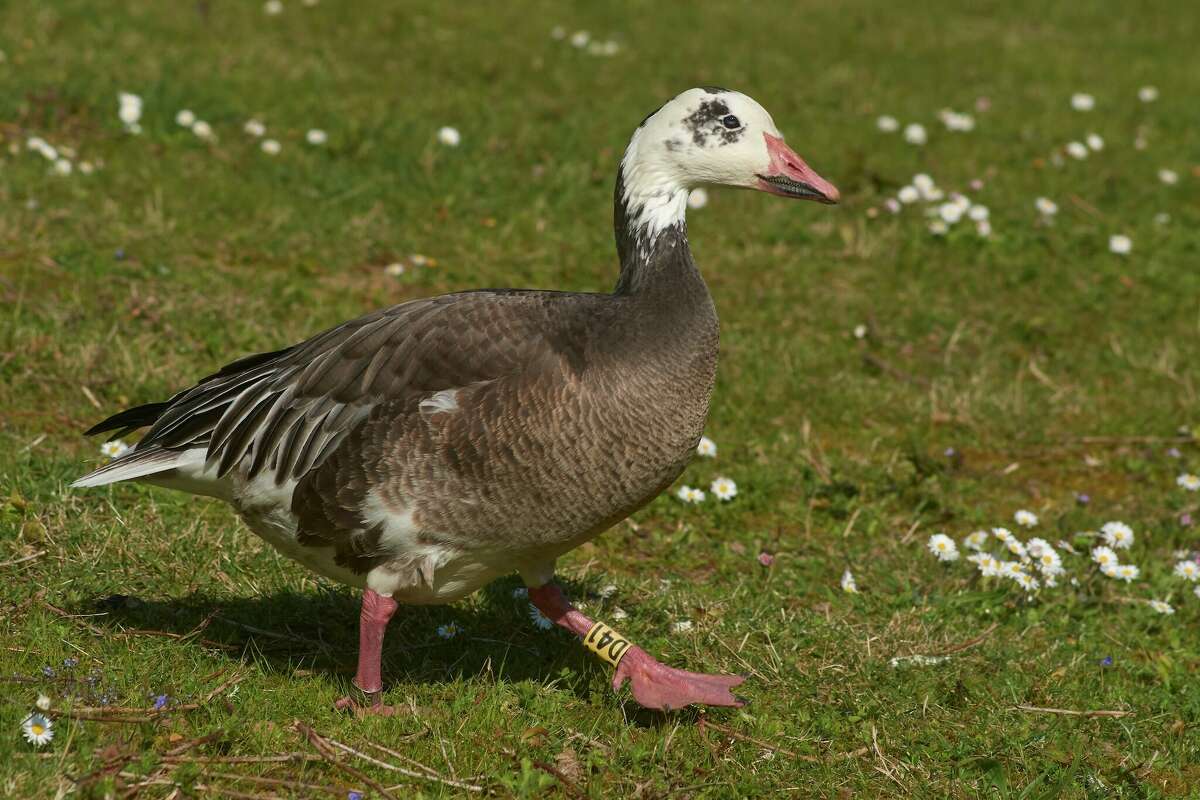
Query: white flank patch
(445, 400)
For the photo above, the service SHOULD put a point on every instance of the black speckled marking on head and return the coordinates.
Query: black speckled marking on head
(672, 144)
(715, 89)
(706, 121)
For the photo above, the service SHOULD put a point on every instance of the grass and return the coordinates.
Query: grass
(1012, 352)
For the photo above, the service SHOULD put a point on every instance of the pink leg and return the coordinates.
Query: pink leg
(376, 611)
(654, 685)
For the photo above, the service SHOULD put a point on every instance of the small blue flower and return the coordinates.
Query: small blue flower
(1106, 661)
(949, 452)
(353, 795)
(70, 662)
(119, 255)
(1174, 453)
(160, 702)
(1082, 499)
(48, 672)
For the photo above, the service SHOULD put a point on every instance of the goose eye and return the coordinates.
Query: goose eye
(730, 121)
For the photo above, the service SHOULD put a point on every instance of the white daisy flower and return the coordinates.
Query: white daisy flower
(989, 566)
(1082, 102)
(62, 167)
(1003, 535)
(1036, 546)
(706, 448)
(113, 449)
(954, 121)
(887, 124)
(1104, 556)
(1188, 481)
(1026, 582)
(449, 136)
(580, 39)
(1128, 572)
(1011, 569)
(681, 626)
(1168, 176)
(915, 134)
(271, 147)
(316, 136)
(1162, 607)
(395, 269)
(943, 547)
(979, 213)
(255, 128)
(860, 331)
(1112, 570)
(42, 146)
(1120, 244)
(43, 702)
(892, 205)
(38, 729)
(1148, 94)
(938, 227)
(1015, 547)
(1077, 150)
(539, 620)
(723, 488)
(1050, 563)
(273, 7)
(185, 117)
(202, 129)
(129, 108)
(908, 194)
(1026, 519)
(1094, 142)
(1117, 534)
(1046, 207)
(689, 495)
(1188, 570)
(848, 583)
(950, 212)
(976, 541)
(697, 198)
(449, 630)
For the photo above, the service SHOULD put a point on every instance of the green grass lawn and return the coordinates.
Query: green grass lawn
(1014, 372)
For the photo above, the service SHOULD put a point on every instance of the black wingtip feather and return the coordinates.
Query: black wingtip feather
(129, 420)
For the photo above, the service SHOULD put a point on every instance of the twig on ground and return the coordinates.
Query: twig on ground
(323, 747)
(128, 715)
(16, 561)
(705, 723)
(886, 367)
(428, 775)
(969, 643)
(276, 759)
(1072, 713)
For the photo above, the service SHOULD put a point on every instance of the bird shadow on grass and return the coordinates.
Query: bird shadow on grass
(297, 634)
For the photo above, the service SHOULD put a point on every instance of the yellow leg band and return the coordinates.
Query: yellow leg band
(606, 643)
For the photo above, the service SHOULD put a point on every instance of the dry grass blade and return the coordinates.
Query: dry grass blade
(1072, 713)
(16, 561)
(323, 747)
(428, 775)
(969, 643)
(128, 715)
(704, 723)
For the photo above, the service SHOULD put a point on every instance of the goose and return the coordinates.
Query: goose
(424, 450)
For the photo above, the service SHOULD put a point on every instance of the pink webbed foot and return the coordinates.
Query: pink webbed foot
(373, 706)
(658, 686)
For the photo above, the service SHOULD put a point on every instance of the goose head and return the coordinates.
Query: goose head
(716, 137)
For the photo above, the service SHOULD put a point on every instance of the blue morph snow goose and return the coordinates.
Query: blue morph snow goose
(421, 451)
